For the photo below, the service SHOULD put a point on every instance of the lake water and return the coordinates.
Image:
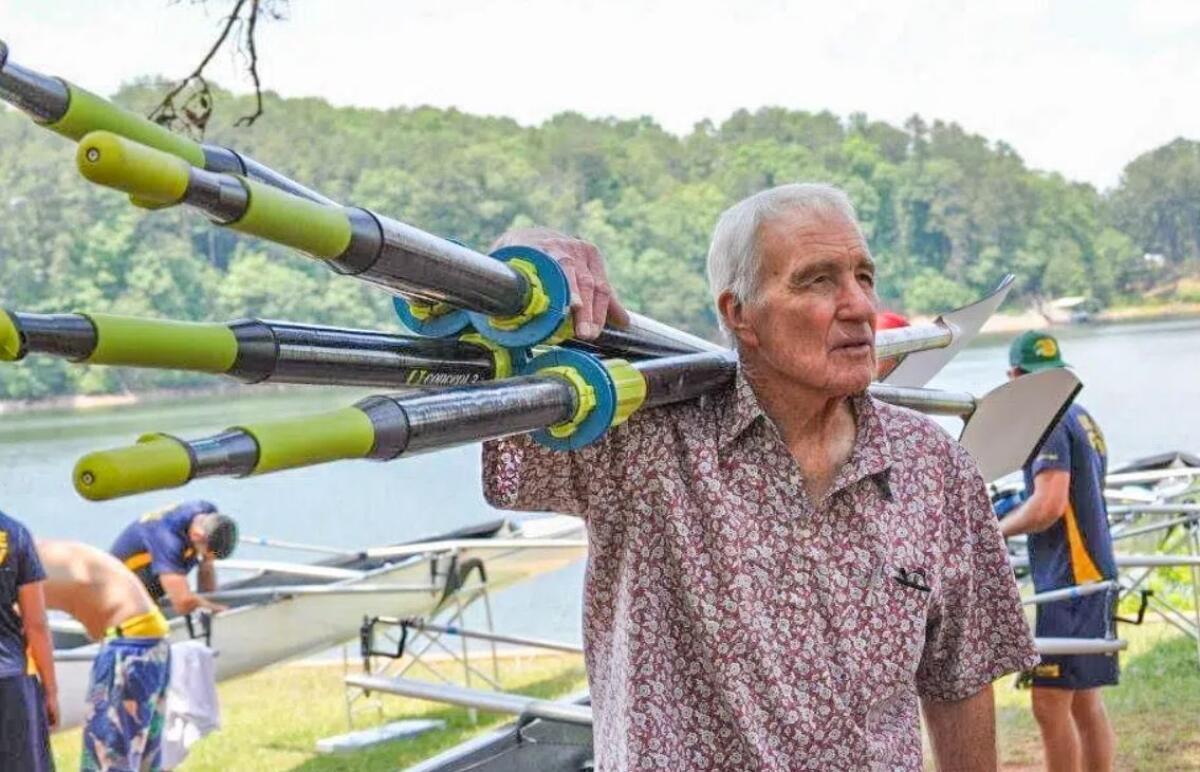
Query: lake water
(1140, 383)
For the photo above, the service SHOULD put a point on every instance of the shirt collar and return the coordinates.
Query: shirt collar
(872, 452)
(741, 410)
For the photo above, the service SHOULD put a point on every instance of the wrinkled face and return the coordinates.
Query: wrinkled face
(812, 322)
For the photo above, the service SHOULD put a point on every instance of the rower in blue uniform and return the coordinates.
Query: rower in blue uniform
(28, 689)
(1069, 544)
(162, 547)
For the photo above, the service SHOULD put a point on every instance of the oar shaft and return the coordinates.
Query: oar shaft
(906, 340)
(1069, 593)
(42, 97)
(73, 112)
(253, 351)
(928, 401)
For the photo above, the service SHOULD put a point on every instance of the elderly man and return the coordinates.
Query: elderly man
(128, 686)
(780, 570)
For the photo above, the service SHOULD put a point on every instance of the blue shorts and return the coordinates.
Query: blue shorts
(127, 704)
(24, 731)
(1088, 617)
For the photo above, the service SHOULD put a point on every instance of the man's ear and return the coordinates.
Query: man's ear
(733, 314)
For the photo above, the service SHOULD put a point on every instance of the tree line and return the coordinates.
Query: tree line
(946, 212)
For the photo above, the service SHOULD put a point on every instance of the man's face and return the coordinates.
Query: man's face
(813, 320)
(196, 536)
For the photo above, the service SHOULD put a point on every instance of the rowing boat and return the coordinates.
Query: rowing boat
(282, 610)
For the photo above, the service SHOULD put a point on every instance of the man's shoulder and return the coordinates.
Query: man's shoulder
(911, 433)
(908, 425)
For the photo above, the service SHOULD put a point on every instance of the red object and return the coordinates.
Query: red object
(888, 320)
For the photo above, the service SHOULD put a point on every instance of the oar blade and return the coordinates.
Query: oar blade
(1011, 422)
(918, 369)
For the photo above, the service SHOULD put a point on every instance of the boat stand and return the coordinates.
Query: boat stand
(1182, 531)
(385, 641)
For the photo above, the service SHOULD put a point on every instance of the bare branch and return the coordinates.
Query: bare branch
(248, 120)
(188, 106)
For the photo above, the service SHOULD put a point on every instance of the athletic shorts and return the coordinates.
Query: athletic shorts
(127, 700)
(24, 730)
(1088, 617)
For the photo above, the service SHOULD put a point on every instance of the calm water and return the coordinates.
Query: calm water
(1140, 384)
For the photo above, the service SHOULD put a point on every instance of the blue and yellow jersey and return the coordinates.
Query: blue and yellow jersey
(19, 566)
(158, 543)
(1077, 549)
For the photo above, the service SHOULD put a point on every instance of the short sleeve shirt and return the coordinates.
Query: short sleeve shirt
(1077, 548)
(732, 623)
(19, 566)
(158, 543)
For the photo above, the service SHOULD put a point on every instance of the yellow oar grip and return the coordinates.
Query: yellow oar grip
(10, 339)
(87, 112)
(148, 175)
(320, 230)
(332, 436)
(156, 462)
(128, 341)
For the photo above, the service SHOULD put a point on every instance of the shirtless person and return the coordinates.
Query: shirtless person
(128, 686)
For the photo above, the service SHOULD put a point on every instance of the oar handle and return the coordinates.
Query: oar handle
(146, 174)
(131, 342)
(10, 338)
(87, 113)
(316, 439)
(153, 177)
(156, 462)
(320, 230)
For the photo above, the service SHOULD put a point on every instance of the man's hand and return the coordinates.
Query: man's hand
(593, 301)
(52, 707)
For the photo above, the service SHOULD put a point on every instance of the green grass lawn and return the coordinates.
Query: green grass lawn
(1155, 710)
(273, 719)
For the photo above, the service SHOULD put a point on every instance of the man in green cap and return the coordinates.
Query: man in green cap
(1069, 544)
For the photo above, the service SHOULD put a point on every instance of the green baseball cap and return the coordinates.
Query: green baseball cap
(1034, 351)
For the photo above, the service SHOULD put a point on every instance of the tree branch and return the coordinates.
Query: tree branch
(188, 105)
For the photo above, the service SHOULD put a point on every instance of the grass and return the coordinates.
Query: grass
(1154, 710)
(273, 719)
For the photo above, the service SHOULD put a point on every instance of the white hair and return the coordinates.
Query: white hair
(735, 259)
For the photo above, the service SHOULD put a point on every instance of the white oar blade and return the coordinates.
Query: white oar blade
(1011, 422)
(919, 368)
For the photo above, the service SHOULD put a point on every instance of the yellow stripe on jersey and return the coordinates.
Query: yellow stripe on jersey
(1083, 568)
(137, 560)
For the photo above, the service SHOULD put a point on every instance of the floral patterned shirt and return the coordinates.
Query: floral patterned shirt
(732, 623)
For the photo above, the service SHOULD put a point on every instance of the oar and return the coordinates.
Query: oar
(1151, 475)
(256, 351)
(569, 401)
(1069, 593)
(1153, 509)
(73, 112)
(517, 297)
(1134, 561)
(957, 327)
(1004, 427)
(261, 541)
(1059, 646)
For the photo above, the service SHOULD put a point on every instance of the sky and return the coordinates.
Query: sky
(1077, 87)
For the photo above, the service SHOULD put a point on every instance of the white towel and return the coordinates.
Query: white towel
(192, 709)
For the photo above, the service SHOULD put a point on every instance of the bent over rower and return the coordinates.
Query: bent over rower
(163, 546)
